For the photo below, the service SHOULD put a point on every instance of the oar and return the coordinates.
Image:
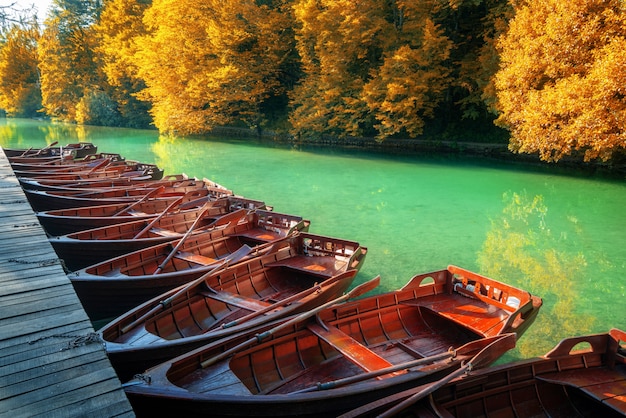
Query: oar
(292, 298)
(155, 220)
(98, 166)
(144, 197)
(230, 218)
(484, 357)
(26, 152)
(48, 146)
(38, 152)
(181, 241)
(235, 256)
(464, 351)
(357, 291)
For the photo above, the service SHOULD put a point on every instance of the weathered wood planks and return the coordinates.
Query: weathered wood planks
(51, 362)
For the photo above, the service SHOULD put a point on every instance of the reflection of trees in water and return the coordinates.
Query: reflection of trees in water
(522, 249)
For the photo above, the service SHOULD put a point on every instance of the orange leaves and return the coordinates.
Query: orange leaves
(208, 63)
(19, 80)
(560, 87)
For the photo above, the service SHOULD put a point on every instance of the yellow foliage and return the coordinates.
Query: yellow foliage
(208, 63)
(20, 94)
(560, 87)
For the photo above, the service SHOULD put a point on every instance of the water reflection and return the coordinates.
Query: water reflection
(524, 247)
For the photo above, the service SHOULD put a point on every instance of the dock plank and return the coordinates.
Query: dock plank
(51, 363)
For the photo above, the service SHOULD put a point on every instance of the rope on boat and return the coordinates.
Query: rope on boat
(77, 340)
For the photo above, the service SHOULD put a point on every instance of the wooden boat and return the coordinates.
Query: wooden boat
(297, 278)
(84, 248)
(335, 357)
(99, 184)
(76, 150)
(117, 285)
(103, 166)
(53, 200)
(569, 381)
(63, 163)
(66, 221)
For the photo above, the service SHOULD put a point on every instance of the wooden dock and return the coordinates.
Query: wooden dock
(51, 362)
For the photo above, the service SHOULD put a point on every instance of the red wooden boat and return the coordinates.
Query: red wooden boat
(84, 248)
(297, 278)
(53, 200)
(66, 221)
(569, 381)
(103, 166)
(117, 285)
(96, 184)
(75, 150)
(334, 357)
(62, 163)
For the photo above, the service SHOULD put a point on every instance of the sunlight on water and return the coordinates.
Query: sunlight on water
(560, 237)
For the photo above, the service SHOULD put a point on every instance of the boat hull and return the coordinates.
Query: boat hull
(280, 376)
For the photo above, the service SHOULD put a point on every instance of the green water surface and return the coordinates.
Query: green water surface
(562, 237)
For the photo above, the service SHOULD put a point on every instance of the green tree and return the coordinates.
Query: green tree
(560, 88)
(20, 92)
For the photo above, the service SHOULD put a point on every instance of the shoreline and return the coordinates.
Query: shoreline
(483, 150)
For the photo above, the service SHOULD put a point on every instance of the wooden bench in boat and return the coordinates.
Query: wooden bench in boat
(259, 234)
(354, 351)
(195, 258)
(320, 266)
(464, 310)
(164, 232)
(237, 300)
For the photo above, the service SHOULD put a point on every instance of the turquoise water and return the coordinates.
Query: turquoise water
(559, 236)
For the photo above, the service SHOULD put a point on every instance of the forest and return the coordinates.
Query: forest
(548, 76)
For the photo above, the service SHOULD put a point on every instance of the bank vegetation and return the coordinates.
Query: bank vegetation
(546, 76)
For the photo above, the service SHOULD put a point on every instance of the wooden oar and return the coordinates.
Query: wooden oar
(465, 350)
(144, 197)
(155, 220)
(26, 152)
(292, 298)
(230, 217)
(38, 152)
(98, 166)
(484, 357)
(182, 240)
(235, 256)
(357, 291)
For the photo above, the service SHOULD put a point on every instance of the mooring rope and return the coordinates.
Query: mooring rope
(77, 340)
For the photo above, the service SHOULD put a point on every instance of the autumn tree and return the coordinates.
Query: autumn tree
(414, 76)
(561, 87)
(20, 92)
(370, 67)
(70, 74)
(339, 42)
(119, 26)
(212, 63)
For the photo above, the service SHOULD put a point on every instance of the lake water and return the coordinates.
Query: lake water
(562, 237)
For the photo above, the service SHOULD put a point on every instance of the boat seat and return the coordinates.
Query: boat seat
(473, 313)
(237, 300)
(195, 258)
(164, 232)
(319, 266)
(354, 351)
